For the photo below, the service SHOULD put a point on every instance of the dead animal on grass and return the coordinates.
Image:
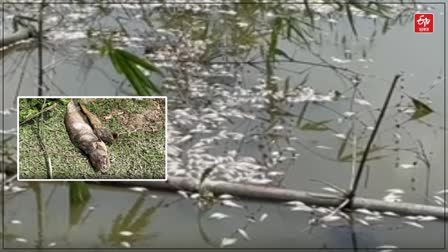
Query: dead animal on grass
(102, 132)
(82, 136)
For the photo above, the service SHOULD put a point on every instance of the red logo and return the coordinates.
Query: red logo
(423, 22)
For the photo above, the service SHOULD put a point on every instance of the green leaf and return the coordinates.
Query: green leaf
(103, 51)
(127, 64)
(274, 39)
(123, 67)
(142, 81)
(137, 61)
(421, 109)
(316, 126)
(115, 62)
(283, 54)
(79, 192)
(107, 48)
(136, 80)
(131, 66)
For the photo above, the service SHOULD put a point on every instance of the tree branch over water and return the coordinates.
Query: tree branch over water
(372, 137)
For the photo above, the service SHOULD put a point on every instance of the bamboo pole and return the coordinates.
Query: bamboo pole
(22, 34)
(281, 194)
(276, 194)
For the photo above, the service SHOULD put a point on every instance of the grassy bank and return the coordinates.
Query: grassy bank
(137, 153)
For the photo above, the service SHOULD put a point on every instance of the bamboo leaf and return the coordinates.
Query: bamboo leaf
(274, 39)
(133, 78)
(421, 109)
(137, 60)
(143, 220)
(344, 144)
(76, 211)
(131, 67)
(302, 114)
(139, 81)
(283, 54)
(316, 126)
(79, 192)
(115, 62)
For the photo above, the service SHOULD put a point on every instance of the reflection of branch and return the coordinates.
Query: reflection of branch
(8, 237)
(131, 222)
(337, 188)
(40, 211)
(50, 196)
(202, 231)
(253, 63)
(40, 49)
(22, 74)
(249, 220)
(302, 62)
(424, 157)
(216, 244)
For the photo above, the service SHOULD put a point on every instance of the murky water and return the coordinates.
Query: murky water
(175, 223)
(295, 157)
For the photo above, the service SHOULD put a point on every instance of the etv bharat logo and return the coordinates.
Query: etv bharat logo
(423, 22)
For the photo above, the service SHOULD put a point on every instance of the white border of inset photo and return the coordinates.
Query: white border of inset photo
(93, 97)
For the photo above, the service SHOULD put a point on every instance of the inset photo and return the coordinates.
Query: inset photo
(92, 138)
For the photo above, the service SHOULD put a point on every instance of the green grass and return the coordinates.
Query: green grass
(138, 153)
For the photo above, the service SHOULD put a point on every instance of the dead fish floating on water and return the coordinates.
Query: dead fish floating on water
(83, 136)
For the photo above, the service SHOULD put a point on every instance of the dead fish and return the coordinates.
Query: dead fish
(98, 128)
(82, 136)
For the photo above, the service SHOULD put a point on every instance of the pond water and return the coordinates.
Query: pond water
(258, 130)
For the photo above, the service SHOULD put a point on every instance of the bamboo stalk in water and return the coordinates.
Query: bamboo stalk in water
(281, 194)
(12, 38)
(276, 194)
